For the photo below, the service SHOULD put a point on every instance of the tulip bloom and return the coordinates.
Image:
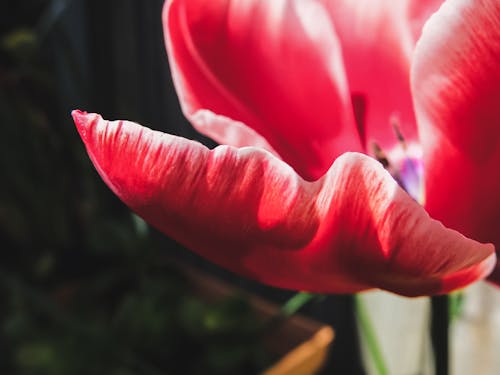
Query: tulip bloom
(300, 94)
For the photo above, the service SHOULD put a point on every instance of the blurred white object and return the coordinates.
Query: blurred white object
(402, 329)
(475, 335)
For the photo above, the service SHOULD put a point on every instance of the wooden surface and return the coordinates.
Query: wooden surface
(302, 344)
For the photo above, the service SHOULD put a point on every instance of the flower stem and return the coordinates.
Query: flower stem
(290, 307)
(440, 319)
(456, 304)
(368, 332)
(296, 302)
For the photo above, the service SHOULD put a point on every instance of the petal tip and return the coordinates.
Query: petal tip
(80, 117)
(83, 120)
(490, 264)
(494, 277)
(470, 275)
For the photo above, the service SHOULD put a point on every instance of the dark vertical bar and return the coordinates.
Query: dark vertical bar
(101, 17)
(62, 30)
(340, 312)
(158, 100)
(440, 333)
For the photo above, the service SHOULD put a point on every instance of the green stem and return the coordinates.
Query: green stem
(456, 301)
(290, 307)
(368, 332)
(296, 302)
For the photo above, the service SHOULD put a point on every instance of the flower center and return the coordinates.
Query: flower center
(404, 163)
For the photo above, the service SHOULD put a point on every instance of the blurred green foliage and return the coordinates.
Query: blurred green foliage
(129, 322)
(82, 286)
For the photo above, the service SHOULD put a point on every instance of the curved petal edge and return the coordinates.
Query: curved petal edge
(456, 88)
(224, 62)
(248, 211)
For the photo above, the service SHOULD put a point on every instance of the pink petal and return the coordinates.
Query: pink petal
(274, 66)
(226, 131)
(250, 212)
(378, 38)
(418, 13)
(456, 84)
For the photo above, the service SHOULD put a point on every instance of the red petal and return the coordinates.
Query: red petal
(378, 38)
(275, 66)
(250, 212)
(418, 13)
(227, 131)
(456, 84)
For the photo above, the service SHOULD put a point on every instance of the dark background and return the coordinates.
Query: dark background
(81, 289)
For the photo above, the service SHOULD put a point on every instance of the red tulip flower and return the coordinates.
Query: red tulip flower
(335, 118)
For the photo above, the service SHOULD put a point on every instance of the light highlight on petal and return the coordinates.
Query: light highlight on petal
(248, 211)
(456, 88)
(378, 38)
(274, 66)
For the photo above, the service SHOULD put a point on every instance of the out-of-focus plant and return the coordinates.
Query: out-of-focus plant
(142, 321)
(80, 284)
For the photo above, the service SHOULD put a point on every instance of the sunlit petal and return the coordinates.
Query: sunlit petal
(248, 211)
(456, 85)
(274, 66)
(378, 38)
